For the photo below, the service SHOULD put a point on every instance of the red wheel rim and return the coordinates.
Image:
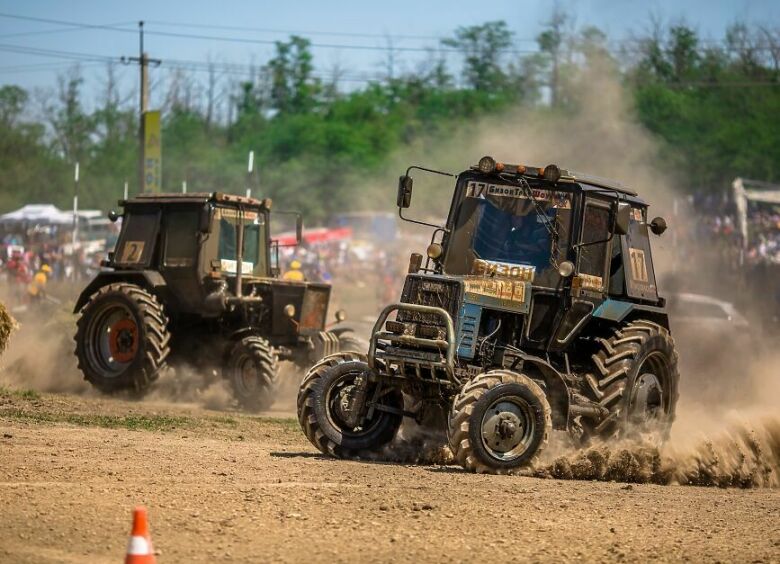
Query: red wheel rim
(123, 340)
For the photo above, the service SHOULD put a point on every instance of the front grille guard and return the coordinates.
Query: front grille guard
(445, 348)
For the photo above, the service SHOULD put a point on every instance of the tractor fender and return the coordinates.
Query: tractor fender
(150, 280)
(339, 331)
(618, 311)
(555, 386)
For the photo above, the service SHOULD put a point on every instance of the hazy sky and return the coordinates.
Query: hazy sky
(320, 21)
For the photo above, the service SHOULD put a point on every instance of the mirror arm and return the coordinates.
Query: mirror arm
(401, 215)
(607, 240)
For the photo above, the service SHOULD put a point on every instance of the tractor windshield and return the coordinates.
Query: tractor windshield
(254, 259)
(500, 224)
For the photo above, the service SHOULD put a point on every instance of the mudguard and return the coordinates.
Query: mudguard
(619, 311)
(148, 279)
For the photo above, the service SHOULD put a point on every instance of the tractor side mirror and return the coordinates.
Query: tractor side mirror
(298, 228)
(404, 199)
(205, 220)
(113, 216)
(658, 225)
(622, 218)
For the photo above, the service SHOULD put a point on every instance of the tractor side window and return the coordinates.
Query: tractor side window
(137, 241)
(181, 241)
(595, 227)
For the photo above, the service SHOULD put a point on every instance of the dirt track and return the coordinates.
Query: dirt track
(230, 487)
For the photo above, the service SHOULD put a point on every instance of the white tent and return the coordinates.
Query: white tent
(746, 191)
(37, 214)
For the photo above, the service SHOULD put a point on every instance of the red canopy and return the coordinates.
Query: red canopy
(316, 235)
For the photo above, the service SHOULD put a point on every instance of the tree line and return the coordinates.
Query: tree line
(714, 107)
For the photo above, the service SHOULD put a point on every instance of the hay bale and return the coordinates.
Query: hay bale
(7, 326)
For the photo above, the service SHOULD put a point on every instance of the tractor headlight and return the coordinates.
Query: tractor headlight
(552, 173)
(435, 251)
(487, 165)
(289, 310)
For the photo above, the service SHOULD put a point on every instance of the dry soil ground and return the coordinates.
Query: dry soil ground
(230, 487)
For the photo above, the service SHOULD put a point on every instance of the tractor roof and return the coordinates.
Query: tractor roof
(195, 198)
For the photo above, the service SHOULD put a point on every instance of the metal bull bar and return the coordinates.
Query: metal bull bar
(445, 348)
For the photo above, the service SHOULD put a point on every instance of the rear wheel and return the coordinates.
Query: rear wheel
(499, 422)
(122, 338)
(252, 369)
(332, 417)
(637, 379)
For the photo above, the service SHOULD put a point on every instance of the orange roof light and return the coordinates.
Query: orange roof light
(520, 169)
(499, 167)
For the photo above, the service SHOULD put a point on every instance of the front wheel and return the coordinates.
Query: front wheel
(252, 369)
(499, 422)
(333, 417)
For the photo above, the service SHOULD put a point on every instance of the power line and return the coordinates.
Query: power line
(248, 40)
(37, 51)
(295, 32)
(57, 30)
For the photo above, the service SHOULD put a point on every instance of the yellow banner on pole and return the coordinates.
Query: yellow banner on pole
(152, 178)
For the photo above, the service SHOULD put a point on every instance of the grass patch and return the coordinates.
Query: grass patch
(23, 394)
(286, 423)
(226, 421)
(130, 422)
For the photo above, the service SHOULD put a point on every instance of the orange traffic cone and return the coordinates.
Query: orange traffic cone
(139, 549)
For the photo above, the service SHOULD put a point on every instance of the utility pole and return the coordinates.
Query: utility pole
(249, 170)
(75, 234)
(143, 62)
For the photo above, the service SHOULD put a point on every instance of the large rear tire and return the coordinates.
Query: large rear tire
(348, 342)
(636, 378)
(500, 422)
(122, 338)
(322, 397)
(252, 368)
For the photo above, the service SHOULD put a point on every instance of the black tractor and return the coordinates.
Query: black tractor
(536, 310)
(192, 279)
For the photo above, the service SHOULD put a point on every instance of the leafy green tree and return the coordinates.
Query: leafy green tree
(293, 89)
(483, 47)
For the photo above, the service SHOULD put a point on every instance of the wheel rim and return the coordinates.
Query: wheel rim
(507, 428)
(337, 400)
(114, 339)
(649, 397)
(247, 380)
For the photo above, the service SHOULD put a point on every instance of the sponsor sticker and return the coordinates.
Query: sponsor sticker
(229, 266)
(588, 282)
(504, 290)
(231, 213)
(476, 189)
(482, 267)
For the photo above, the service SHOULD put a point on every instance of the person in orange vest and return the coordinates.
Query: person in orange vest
(294, 274)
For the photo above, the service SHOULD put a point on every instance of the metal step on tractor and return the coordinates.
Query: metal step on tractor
(191, 280)
(537, 309)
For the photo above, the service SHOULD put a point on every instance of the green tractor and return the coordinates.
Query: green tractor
(192, 280)
(536, 310)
